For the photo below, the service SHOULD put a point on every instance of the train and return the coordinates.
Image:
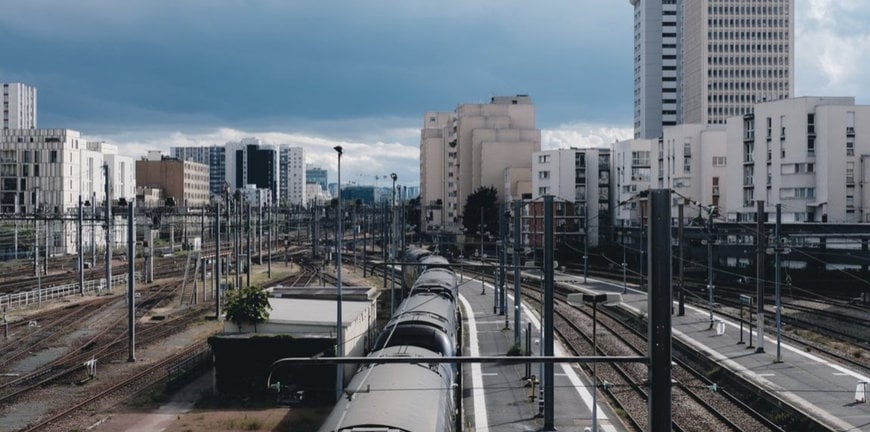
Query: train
(421, 397)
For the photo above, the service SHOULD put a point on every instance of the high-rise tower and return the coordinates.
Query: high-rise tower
(702, 61)
(19, 106)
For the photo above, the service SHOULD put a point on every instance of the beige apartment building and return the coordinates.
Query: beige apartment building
(184, 181)
(470, 148)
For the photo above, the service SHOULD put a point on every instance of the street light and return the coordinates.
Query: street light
(608, 299)
(339, 341)
(393, 247)
(624, 264)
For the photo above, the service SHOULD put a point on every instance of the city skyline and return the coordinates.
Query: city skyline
(358, 75)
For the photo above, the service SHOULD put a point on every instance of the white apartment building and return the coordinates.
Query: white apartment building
(703, 61)
(49, 170)
(632, 175)
(471, 148)
(19, 106)
(122, 171)
(690, 159)
(581, 177)
(808, 154)
(292, 175)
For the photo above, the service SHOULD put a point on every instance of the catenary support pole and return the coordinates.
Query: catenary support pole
(502, 261)
(80, 248)
(131, 283)
(681, 308)
(518, 249)
(339, 379)
(659, 306)
(108, 231)
(548, 313)
(217, 261)
(778, 249)
(761, 245)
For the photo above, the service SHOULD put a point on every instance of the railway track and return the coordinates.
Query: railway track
(107, 344)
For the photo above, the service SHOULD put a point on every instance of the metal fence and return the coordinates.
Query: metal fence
(24, 299)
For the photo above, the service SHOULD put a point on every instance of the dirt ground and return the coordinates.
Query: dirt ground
(194, 409)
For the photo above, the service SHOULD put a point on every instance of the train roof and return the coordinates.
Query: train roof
(437, 276)
(419, 307)
(391, 396)
(416, 254)
(431, 260)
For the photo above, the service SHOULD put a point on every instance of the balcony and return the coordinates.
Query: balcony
(850, 131)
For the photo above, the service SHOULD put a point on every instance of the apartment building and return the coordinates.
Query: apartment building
(316, 175)
(580, 177)
(214, 156)
(691, 160)
(633, 175)
(470, 148)
(292, 175)
(185, 182)
(19, 106)
(808, 154)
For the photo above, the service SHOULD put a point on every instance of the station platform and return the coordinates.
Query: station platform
(494, 396)
(817, 386)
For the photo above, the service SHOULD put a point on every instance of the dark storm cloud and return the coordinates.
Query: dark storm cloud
(111, 65)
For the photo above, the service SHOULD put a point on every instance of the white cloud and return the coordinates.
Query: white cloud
(361, 160)
(583, 135)
(832, 50)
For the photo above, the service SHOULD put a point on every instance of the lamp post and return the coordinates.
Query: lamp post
(339, 340)
(624, 264)
(393, 247)
(608, 299)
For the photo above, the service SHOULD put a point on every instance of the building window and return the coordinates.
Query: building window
(543, 190)
(719, 161)
(544, 158)
(543, 175)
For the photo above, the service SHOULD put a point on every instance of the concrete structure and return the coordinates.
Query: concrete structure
(808, 154)
(581, 177)
(470, 148)
(19, 106)
(691, 161)
(316, 175)
(631, 163)
(704, 61)
(250, 161)
(185, 182)
(214, 156)
(292, 175)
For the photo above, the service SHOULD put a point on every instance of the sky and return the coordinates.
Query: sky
(150, 74)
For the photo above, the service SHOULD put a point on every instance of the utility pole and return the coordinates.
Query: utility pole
(585, 241)
(131, 284)
(217, 261)
(81, 263)
(710, 241)
(269, 242)
(778, 249)
(93, 230)
(659, 304)
(549, 401)
(681, 308)
(518, 249)
(761, 245)
(108, 231)
(248, 247)
(502, 260)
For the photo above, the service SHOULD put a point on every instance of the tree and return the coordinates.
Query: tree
(248, 305)
(485, 198)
